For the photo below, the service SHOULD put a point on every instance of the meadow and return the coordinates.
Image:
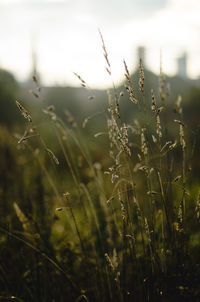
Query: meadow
(107, 214)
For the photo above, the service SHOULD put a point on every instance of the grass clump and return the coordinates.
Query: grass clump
(126, 227)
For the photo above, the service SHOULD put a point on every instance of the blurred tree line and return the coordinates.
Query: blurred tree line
(9, 89)
(84, 103)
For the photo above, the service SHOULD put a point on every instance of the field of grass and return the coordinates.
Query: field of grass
(113, 216)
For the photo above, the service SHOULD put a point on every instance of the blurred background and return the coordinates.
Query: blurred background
(61, 37)
(55, 38)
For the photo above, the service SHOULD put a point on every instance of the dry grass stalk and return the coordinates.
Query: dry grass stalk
(144, 147)
(153, 102)
(197, 208)
(141, 79)
(70, 119)
(108, 67)
(22, 217)
(52, 155)
(182, 140)
(24, 112)
(129, 87)
(158, 127)
(83, 83)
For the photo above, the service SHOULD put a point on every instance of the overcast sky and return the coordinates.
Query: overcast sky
(64, 34)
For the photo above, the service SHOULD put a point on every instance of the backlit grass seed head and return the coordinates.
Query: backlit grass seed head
(22, 218)
(83, 83)
(154, 139)
(141, 79)
(105, 54)
(131, 94)
(108, 71)
(127, 74)
(113, 171)
(111, 108)
(136, 128)
(179, 122)
(51, 108)
(117, 159)
(171, 147)
(108, 259)
(182, 140)
(24, 112)
(177, 178)
(165, 146)
(144, 148)
(125, 134)
(160, 109)
(99, 134)
(180, 219)
(113, 261)
(123, 210)
(112, 132)
(24, 138)
(59, 209)
(197, 209)
(117, 111)
(49, 111)
(158, 127)
(36, 81)
(70, 119)
(132, 237)
(67, 195)
(152, 193)
(114, 177)
(35, 94)
(86, 120)
(153, 101)
(143, 168)
(147, 231)
(161, 88)
(91, 97)
(178, 108)
(129, 89)
(97, 166)
(139, 213)
(118, 137)
(123, 140)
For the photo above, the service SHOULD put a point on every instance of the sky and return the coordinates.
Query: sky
(64, 34)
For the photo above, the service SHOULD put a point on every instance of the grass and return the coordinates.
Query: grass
(114, 220)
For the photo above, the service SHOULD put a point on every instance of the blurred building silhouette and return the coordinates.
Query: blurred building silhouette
(141, 52)
(34, 62)
(182, 66)
(34, 69)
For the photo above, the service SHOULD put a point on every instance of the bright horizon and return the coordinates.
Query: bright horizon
(64, 34)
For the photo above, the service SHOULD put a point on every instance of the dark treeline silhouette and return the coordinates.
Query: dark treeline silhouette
(78, 101)
(129, 234)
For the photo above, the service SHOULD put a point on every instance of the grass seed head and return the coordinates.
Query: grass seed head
(24, 112)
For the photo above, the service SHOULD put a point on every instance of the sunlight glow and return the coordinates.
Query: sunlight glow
(66, 38)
